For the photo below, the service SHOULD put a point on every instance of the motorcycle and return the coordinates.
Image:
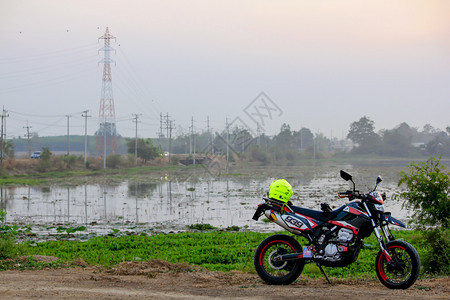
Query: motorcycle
(335, 238)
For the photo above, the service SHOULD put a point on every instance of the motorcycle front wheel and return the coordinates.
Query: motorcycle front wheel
(278, 272)
(404, 268)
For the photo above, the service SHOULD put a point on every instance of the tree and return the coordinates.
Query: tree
(8, 149)
(428, 189)
(145, 149)
(362, 133)
(44, 162)
(45, 154)
(240, 139)
(284, 138)
(395, 143)
(303, 138)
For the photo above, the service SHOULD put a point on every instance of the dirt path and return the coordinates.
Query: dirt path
(159, 280)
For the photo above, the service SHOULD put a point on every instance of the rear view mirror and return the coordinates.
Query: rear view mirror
(346, 176)
(379, 179)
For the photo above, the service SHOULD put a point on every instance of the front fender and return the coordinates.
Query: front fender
(390, 219)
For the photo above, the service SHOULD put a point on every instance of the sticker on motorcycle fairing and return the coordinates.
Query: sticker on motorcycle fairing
(307, 253)
(294, 221)
(354, 211)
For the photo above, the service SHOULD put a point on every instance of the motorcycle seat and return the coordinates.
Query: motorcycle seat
(316, 214)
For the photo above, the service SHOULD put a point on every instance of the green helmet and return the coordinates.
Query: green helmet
(280, 190)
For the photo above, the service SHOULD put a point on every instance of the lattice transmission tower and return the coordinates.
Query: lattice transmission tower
(106, 135)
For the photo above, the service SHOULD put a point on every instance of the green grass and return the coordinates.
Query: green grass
(216, 250)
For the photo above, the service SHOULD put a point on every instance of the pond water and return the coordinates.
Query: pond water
(172, 201)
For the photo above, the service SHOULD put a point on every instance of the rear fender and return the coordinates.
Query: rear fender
(260, 210)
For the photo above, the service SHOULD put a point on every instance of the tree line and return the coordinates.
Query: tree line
(288, 144)
(400, 141)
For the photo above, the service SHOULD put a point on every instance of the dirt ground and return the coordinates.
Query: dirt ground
(161, 280)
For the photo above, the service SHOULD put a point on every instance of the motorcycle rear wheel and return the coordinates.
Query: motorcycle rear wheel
(276, 272)
(404, 269)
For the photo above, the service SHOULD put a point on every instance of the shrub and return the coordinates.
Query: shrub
(437, 260)
(113, 161)
(70, 160)
(8, 247)
(427, 192)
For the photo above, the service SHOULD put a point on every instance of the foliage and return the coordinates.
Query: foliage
(113, 161)
(8, 149)
(8, 247)
(428, 194)
(45, 154)
(26, 263)
(70, 160)
(394, 143)
(145, 149)
(44, 162)
(428, 189)
(257, 154)
(437, 260)
(362, 133)
(201, 226)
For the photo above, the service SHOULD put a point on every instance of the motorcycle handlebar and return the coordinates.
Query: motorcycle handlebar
(350, 195)
(344, 194)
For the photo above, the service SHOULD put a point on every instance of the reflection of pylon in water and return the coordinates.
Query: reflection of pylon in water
(106, 135)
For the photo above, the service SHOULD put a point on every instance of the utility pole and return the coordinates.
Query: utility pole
(191, 129)
(210, 136)
(85, 115)
(68, 139)
(314, 147)
(193, 139)
(258, 133)
(135, 120)
(170, 127)
(228, 139)
(28, 138)
(160, 130)
(3, 133)
(167, 124)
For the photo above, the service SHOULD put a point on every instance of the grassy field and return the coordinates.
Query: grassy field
(214, 250)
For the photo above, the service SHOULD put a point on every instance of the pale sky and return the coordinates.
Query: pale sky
(324, 64)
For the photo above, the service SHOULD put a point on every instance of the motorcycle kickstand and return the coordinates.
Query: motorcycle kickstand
(323, 272)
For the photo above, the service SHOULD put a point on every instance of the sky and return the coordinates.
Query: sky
(256, 63)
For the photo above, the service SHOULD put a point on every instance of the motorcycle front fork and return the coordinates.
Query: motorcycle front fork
(386, 234)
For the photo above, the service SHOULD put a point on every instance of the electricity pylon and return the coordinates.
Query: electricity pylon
(107, 137)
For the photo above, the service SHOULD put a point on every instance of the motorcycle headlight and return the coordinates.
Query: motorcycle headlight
(379, 207)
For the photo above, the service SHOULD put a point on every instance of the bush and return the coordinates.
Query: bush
(427, 192)
(113, 161)
(70, 160)
(438, 259)
(8, 247)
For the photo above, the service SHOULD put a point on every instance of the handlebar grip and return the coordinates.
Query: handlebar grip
(343, 195)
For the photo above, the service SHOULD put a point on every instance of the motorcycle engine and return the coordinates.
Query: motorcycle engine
(339, 244)
(345, 235)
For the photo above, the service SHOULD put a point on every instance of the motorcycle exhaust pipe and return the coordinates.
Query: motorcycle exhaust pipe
(277, 219)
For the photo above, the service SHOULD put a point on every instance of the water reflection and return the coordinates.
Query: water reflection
(173, 200)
